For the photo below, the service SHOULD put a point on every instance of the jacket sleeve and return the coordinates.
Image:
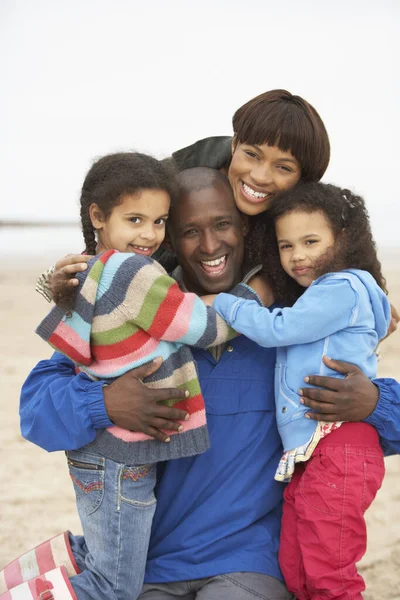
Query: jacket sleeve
(60, 410)
(386, 416)
(322, 310)
(214, 152)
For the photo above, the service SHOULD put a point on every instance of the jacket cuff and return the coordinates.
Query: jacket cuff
(96, 407)
(242, 290)
(383, 409)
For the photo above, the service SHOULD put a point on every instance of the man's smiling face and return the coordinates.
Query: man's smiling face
(207, 233)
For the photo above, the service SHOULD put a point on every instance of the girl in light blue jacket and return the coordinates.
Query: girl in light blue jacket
(321, 260)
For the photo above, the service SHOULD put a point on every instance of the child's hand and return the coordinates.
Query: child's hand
(208, 299)
(63, 280)
(259, 285)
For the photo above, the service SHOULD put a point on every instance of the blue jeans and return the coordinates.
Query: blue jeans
(116, 504)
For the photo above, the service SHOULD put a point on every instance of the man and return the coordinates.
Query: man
(216, 528)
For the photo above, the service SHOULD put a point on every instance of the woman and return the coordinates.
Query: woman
(279, 139)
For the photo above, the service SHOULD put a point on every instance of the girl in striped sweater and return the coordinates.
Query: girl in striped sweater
(128, 311)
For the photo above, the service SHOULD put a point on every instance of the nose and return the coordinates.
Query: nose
(210, 242)
(261, 174)
(297, 255)
(148, 233)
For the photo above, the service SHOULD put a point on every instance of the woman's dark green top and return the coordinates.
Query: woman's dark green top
(213, 152)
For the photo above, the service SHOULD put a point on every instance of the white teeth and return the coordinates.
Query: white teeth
(251, 192)
(214, 263)
(142, 248)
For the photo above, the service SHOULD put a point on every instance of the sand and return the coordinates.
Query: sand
(37, 496)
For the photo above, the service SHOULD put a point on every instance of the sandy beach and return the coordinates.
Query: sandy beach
(37, 496)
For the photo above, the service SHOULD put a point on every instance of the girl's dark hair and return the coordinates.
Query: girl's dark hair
(347, 215)
(278, 118)
(114, 175)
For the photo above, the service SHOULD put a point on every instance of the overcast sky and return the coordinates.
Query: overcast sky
(86, 77)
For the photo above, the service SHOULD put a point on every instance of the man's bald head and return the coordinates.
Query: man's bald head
(198, 179)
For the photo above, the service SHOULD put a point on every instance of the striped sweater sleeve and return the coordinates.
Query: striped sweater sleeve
(154, 302)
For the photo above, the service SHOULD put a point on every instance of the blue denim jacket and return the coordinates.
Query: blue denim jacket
(342, 315)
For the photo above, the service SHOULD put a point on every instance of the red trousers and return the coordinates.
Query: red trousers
(323, 527)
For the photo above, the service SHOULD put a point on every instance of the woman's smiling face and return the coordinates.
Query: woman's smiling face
(258, 173)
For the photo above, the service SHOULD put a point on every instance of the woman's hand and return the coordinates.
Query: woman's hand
(63, 281)
(351, 399)
(394, 321)
(262, 288)
(132, 405)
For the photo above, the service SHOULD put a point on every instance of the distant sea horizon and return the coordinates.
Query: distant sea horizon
(47, 241)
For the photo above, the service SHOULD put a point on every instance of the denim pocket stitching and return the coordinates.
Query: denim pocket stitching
(134, 474)
(92, 489)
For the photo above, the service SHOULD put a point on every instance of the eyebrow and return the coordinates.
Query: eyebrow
(304, 237)
(198, 224)
(137, 214)
(281, 159)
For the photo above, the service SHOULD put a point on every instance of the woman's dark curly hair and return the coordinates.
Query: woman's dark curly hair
(114, 175)
(347, 215)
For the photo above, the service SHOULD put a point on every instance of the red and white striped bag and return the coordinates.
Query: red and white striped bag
(53, 585)
(46, 557)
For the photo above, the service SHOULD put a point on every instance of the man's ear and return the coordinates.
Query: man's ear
(96, 216)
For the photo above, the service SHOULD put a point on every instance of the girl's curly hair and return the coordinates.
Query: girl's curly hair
(347, 215)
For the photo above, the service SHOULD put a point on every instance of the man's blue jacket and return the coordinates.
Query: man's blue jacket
(218, 512)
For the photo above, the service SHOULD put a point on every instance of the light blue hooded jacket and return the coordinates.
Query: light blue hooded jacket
(342, 315)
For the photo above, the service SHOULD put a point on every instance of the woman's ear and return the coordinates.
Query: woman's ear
(96, 216)
(234, 144)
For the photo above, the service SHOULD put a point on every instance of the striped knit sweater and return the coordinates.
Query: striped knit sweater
(127, 312)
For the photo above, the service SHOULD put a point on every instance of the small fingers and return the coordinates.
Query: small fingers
(71, 259)
(166, 412)
(317, 394)
(160, 423)
(72, 282)
(330, 417)
(169, 394)
(322, 407)
(75, 268)
(158, 435)
(329, 383)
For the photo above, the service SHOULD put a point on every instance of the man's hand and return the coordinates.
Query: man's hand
(63, 281)
(351, 399)
(132, 405)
